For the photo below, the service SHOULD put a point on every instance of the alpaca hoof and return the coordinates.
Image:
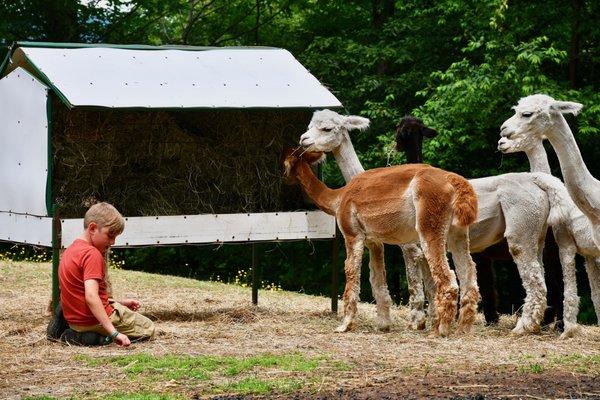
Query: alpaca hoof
(464, 329)
(383, 328)
(559, 326)
(523, 329)
(417, 325)
(418, 321)
(443, 330)
(342, 328)
(491, 320)
(518, 330)
(465, 323)
(570, 331)
(433, 334)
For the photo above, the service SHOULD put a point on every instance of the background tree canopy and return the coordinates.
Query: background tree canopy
(458, 65)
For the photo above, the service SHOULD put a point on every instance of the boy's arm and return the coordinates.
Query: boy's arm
(95, 304)
(132, 304)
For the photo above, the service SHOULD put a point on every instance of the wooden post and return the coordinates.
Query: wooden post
(335, 270)
(255, 274)
(56, 245)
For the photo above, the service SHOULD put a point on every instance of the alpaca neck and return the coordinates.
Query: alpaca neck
(538, 159)
(325, 198)
(582, 186)
(347, 160)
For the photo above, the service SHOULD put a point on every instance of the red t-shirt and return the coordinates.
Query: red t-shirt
(79, 262)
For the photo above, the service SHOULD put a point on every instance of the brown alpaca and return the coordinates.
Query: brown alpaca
(396, 205)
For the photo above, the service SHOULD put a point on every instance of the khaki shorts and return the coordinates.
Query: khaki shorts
(126, 321)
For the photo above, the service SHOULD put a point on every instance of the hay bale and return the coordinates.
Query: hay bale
(172, 162)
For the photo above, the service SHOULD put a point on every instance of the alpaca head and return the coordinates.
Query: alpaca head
(534, 116)
(327, 129)
(294, 157)
(409, 138)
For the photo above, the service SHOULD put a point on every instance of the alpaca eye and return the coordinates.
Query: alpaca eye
(526, 114)
(327, 129)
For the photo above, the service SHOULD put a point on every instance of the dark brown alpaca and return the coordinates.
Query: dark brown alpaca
(396, 205)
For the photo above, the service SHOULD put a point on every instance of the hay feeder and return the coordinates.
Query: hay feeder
(184, 141)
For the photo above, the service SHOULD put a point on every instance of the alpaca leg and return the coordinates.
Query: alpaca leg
(379, 286)
(532, 277)
(467, 276)
(524, 233)
(553, 274)
(592, 267)
(354, 252)
(571, 301)
(486, 280)
(434, 215)
(416, 299)
(429, 285)
(446, 295)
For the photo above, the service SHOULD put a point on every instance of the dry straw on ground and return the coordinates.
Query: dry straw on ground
(203, 318)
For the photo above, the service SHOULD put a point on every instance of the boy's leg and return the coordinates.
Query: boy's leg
(57, 325)
(85, 335)
(131, 323)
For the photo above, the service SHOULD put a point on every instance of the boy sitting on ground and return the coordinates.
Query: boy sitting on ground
(92, 317)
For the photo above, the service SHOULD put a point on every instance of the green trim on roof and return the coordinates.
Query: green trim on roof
(78, 107)
(6, 60)
(134, 46)
(45, 80)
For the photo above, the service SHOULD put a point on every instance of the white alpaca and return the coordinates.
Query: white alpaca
(541, 116)
(513, 206)
(575, 235)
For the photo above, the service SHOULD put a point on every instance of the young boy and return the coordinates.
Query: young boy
(84, 288)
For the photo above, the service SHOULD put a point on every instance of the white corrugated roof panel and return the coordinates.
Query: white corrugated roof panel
(173, 78)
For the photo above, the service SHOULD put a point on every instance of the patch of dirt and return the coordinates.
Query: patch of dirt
(470, 386)
(477, 385)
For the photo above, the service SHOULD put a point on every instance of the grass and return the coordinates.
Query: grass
(533, 368)
(583, 364)
(213, 370)
(121, 396)
(260, 386)
(578, 363)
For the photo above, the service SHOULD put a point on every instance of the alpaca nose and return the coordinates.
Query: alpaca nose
(503, 131)
(501, 143)
(305, 140)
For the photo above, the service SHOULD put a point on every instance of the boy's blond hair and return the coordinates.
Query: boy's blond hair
(104, 214)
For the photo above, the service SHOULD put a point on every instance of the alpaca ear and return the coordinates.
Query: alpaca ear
(287, 167)
(355, 122)
(566, 107)
(429, 133)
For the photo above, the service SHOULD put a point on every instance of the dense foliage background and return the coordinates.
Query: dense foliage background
(459, 65)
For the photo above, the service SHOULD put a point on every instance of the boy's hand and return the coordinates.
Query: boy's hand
(122, 340)
(132, 304)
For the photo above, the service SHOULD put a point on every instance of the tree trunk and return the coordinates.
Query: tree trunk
(574, 46)
(382, 11)
(256, 38)
(62, 24)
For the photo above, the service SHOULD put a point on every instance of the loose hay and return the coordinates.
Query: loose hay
(173, 162)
